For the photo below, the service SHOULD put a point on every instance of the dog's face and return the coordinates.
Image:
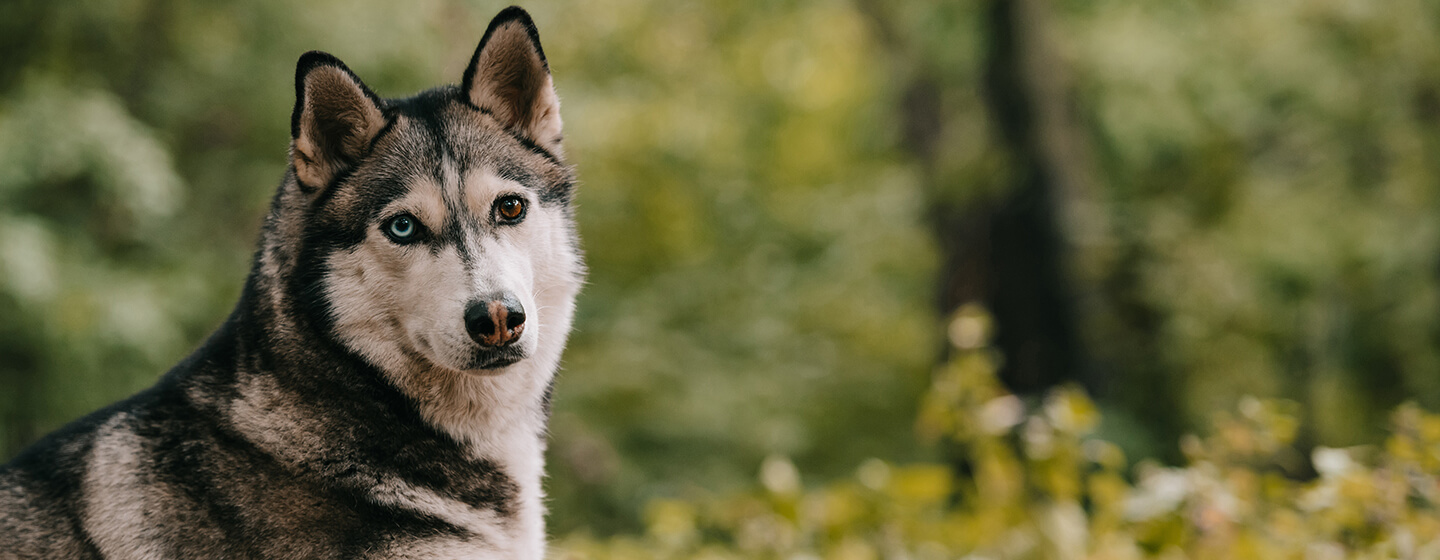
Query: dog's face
(456, 232)
(440, 232)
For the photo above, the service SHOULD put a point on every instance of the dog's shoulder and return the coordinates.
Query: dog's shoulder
(42, 496)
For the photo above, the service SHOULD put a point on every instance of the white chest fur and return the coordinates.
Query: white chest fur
(501, 420)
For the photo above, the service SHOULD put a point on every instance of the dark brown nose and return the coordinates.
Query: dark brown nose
(496, 320)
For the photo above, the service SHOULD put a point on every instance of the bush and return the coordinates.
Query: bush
(1035, 482)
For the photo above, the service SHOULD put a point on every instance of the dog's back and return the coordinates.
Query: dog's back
(163, 474)
(40, 503)
(123, 480)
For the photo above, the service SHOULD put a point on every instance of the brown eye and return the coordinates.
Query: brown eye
(510, 209)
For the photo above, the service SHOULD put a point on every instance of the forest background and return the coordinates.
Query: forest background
(1166, 205)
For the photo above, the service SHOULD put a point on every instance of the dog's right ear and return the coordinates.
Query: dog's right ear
(335, 119)
(509, 78)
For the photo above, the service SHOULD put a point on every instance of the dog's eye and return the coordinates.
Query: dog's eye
(402, 229)
(510, 209)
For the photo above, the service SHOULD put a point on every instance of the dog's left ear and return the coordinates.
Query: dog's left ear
(335, 119)
(509, 78)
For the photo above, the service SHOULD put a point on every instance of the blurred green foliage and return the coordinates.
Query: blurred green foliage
(1270, 174)
(1260, 211)
(1262, 221)
(1039, 484)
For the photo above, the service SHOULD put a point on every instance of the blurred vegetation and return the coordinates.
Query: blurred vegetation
(1038, 484)
(1235, 199)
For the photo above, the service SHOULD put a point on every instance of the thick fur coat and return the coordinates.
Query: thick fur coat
(382, 387)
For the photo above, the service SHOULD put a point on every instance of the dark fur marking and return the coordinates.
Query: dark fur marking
(536, 148)
(511, 171)
(384, 130)
(559, 194)
(456, 232)
(327, 191)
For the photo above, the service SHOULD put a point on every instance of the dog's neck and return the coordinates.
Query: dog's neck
(500, 419)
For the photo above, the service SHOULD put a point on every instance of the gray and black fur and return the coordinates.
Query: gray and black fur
(350, 407)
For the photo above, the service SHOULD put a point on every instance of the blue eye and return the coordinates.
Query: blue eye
(402, 228)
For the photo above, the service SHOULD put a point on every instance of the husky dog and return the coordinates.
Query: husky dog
(382, 387)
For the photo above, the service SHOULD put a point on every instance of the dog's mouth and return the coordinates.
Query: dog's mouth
(487, 360)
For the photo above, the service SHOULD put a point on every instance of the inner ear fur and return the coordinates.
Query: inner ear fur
(509, 77)
(335, 119)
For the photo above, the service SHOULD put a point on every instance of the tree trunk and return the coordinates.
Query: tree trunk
(1011, 251)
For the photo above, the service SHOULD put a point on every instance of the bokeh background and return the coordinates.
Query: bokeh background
(1168, 205)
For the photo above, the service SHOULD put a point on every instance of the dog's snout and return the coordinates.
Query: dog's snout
(495, 320)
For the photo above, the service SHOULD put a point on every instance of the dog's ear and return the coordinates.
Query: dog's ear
(509, 78)
(335, 119)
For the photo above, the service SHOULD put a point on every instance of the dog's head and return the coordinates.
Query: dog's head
(433, 232)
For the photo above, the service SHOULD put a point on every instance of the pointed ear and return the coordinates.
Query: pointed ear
(335, 119)
(509, 78)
